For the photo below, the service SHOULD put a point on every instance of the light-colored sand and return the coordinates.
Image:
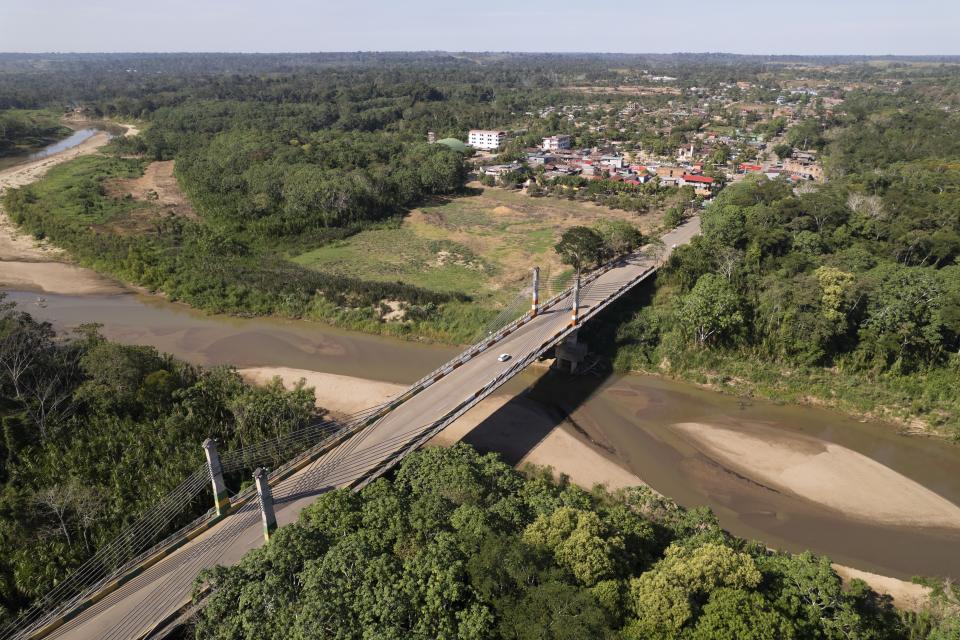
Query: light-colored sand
(335, 393)
(826, 473)
(508, 432)
(37, 266)
(499, 422)
(20, 246)
(906, 595)
(55, 277)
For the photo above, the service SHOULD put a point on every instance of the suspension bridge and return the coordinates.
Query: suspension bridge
(140, 585)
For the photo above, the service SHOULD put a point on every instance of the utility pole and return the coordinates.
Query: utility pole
(220, 498)
(536, 292)
(266, 502)
(575, 317)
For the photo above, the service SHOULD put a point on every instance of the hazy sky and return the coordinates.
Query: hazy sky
(737, 26)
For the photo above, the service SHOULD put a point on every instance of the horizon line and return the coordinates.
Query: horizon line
(494, 52)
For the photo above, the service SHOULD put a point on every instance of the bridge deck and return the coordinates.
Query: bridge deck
(138, 606)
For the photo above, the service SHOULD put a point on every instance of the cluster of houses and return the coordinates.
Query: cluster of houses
(558, 159)
(801, 166)
(747, 148)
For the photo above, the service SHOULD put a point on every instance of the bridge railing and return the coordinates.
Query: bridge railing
(36, 623)
(554, 338)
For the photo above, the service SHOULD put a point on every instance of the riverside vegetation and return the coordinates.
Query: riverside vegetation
(94, 433)
(799, 293)
(459, 545)
(25, 130)
(846, 291)
(454, 544)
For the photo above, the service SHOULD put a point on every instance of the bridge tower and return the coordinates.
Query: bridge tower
(260, 477)
(535, 308)
(575, 316)
(220, 498)
(572, 352)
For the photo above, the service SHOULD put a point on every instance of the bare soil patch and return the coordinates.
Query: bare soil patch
(160, 194)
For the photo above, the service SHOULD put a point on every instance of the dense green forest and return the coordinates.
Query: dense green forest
(94, 433)
(459, 545)
(290, 153)
(314, 160)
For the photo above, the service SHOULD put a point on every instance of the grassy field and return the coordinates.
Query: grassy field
(482, 243)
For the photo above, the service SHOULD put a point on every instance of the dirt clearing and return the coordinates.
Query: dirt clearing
(158, 188)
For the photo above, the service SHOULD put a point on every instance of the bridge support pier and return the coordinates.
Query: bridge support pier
(267, 515)
(220, 498)
(570, 353)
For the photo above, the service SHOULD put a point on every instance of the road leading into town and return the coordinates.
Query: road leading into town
(153, 598)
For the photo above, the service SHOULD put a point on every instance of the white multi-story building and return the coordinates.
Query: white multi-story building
(556, 143)
(486, 140)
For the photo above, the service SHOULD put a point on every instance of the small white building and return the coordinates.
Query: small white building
(612, 161)
(497, 170)
(556, 143)
(486, 140)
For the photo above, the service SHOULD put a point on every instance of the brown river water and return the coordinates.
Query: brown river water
(638, 421)
(630, 418)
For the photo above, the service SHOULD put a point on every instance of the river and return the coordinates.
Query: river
(631, 418)
(88, 130)
(635, 420)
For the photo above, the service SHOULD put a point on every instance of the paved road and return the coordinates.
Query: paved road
(139, 605)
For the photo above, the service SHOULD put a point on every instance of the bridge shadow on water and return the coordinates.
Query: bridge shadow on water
(517, 427)
(552, 400)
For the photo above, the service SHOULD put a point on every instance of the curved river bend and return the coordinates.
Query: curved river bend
(750, 462)
(642, 422)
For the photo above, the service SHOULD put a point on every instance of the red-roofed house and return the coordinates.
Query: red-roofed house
(744, 166)
(701, 184)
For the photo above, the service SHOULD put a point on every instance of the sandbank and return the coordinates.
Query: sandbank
(826, 473)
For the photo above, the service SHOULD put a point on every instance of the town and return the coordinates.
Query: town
(717, 138)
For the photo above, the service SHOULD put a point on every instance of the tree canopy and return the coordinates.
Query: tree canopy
(459, 545)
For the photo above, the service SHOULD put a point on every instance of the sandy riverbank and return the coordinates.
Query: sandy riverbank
(906, 595)
(559, 448)
(826, 473)
(55, 277)
(33, 265)
(499, 424)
